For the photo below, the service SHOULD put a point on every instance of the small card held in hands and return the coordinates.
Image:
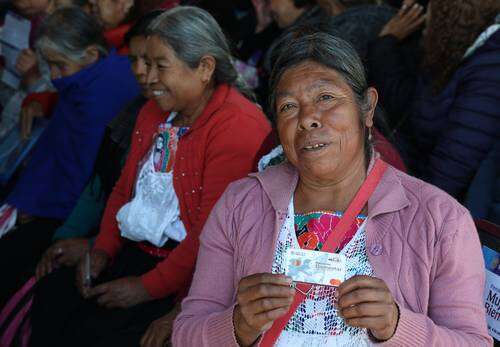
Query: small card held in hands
(315, 267)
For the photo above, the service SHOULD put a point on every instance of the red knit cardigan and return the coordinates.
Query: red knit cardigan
(223, 145)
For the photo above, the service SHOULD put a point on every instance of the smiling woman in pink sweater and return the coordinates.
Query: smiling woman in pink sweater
(413, 273)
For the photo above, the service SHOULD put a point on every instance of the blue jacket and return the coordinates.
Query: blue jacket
(63, 158)
(455, 130)
(483, 197)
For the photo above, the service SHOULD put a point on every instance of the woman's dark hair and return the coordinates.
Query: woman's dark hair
(141, 26)
(306, 44)
(70, 31)
(193, 33)
(303, 3)
(452, 29)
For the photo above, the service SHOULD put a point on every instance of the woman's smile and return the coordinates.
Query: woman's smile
(315, 147)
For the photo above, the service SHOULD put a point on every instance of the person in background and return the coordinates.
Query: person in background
(72, 239)
(483, 196)
(451, 105)
(33, 73)
(94, 84)
(27, 62)
(36, 98)
(116, 17)
(34, 10)
(402, 36)
(145, 252)
(414, 273)
(296, 12)
(357, 21)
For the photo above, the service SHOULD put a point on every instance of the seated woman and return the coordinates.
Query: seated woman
(198, 135)
(94, 85)
(116, 18)
(71, 240)
(35, 79)
(451, 105)
(410, 270)
(27, 61)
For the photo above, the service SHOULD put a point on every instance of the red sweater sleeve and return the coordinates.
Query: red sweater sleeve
(48, 100)
(233, 151)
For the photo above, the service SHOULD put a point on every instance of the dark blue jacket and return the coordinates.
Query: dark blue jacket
(455, 130)
(63, 158)
(483, 197)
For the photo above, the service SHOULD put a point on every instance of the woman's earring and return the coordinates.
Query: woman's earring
(370, 134)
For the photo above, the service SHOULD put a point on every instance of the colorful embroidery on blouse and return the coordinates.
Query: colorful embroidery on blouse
(312, 229)
(165, 145)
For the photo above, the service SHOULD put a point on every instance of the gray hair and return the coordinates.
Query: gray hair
(304, 44)
(70, 31)
(193, 33)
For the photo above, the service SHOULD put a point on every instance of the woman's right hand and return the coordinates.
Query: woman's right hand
(262, 298)
(64, 252)
(409, 18)
(99, 261)
(28, 113)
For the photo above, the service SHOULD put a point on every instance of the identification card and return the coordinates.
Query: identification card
(315, 267)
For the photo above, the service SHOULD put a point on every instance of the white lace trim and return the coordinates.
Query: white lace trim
(153, 214)
(266, 159)
(316, 323)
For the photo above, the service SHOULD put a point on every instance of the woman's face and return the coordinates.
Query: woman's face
(284, 12)
(174, 85)
(110, 13)
(60, 66)
(318, 121)
(137, 56)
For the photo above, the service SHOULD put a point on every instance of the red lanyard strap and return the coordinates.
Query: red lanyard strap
(331, 245)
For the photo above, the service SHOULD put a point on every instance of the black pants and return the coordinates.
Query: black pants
(20, 251)
(62, 317)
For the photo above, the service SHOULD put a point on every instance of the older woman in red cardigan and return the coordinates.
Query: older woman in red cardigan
(196, 136)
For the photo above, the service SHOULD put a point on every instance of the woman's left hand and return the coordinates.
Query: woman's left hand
(366, 302)
(121, 293)
(64, 252)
